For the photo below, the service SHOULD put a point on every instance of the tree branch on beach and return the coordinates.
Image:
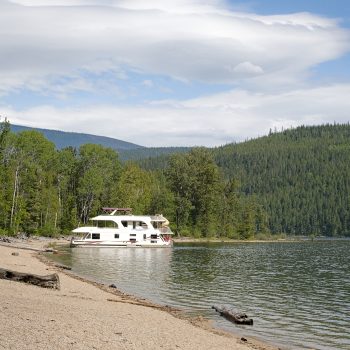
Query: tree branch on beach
(48, 281)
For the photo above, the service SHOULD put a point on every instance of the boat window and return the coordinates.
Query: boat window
(135, 224)
(155, 224)
(106, 224)
(132, 234)
(144, 236)
(87, 236)
(153, 241)
(116, 235)
(154, 236)
(95, 236)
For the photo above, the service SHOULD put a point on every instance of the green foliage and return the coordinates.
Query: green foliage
(28, 189)
(205, 204)
(134, 189)
(300, 176)
(98, 169)
(4, 132)
(66, 183)
(163, 200)
(294, 182)
(145, 156)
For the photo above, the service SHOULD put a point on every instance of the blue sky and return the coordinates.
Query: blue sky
(174, 72)
(333, 8)
(335, 70)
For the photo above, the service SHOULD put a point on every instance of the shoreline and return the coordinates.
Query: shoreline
(180, 240)
(227, 240)
(96, 305)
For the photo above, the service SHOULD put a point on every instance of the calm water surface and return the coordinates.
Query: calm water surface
(297, 293)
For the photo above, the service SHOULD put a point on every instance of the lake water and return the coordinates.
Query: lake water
(297, 293)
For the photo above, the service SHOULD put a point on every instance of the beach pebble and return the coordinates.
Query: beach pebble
(15, 253)
(112, 286)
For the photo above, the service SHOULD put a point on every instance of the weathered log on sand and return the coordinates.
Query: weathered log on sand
(48, 281)
(236, 317)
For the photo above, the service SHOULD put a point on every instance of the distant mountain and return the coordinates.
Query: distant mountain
(126, 150)
(64, 139)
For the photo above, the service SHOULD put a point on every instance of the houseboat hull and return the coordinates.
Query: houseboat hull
(108, 244)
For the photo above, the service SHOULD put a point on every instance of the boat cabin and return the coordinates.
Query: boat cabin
(116, 229)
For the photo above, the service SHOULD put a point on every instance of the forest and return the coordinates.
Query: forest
(299, 176)
(45, 191)
(292, 182)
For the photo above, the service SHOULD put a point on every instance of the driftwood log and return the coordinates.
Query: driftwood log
(63, 267)
(48, 281)
(233, 316)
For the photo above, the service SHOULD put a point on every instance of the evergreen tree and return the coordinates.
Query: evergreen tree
(134, 189)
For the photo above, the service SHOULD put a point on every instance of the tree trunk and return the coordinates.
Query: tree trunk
(14, 196)
(48, 281)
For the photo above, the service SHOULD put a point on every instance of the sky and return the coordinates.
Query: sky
(174, 72)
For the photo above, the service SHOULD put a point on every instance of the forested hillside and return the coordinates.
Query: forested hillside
(47, 191)
(295, 182)
(150, 153)
(301, 177)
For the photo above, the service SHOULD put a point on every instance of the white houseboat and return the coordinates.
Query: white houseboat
(119, 228)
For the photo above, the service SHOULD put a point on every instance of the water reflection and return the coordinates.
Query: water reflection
(139, 271)
(298, 293)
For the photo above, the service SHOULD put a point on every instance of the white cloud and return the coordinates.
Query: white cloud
(183, 39)
(209, 121)
(148, 83)
(61, 47)
(165, 5)
(248, 68)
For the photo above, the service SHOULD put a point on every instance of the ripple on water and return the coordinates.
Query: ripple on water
(298, 293)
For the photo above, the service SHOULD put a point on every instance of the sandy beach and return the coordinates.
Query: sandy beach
(85, 315)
